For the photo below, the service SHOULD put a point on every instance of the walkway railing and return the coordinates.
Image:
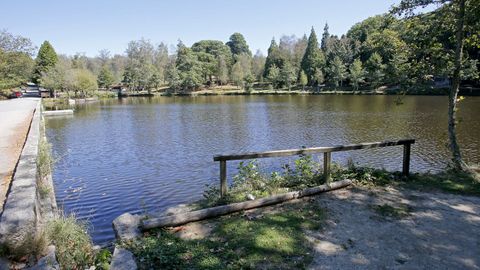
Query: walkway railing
(326, 159)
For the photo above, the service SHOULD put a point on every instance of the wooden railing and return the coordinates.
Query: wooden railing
(327, 151)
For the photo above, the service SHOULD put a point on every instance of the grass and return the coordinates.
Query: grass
(271, 241)
(447, 181)
(74, 248)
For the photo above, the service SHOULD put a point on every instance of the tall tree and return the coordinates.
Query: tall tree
(46, 59)
(325, 37)
(313, 59)
(375, 69)
(274, 58)
(238, 45)
(458, 7)
(357, 74)
(337, 71)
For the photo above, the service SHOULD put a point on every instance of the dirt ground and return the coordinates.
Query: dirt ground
(388, 228)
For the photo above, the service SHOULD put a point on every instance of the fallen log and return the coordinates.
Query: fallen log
(183, 218)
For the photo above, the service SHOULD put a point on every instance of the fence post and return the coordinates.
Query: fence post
(327, 158)
(223, 178)
(406, 160)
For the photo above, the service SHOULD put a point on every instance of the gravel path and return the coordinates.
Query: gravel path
(15, 115)
(433, 231)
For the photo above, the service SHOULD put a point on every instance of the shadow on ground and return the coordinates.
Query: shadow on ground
(393, 228)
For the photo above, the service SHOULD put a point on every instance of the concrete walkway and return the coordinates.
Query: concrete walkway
(15, 118)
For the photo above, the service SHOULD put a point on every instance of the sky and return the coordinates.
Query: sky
(87, 26)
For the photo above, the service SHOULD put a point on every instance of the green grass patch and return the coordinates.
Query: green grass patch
(271, 241)
(448, 181)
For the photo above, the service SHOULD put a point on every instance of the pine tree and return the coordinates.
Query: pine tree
(325, 37)
(376, 69)
(46, 59)
(273, 58)
(337, 71)
(313, 59)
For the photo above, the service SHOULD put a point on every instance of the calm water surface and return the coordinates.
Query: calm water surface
(140, 154)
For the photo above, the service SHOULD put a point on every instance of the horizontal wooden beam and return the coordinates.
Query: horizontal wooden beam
(303, 151)
(183, 218)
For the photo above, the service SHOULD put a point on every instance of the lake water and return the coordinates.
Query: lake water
(148, 154)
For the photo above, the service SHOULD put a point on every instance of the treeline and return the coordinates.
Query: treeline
(379, 51)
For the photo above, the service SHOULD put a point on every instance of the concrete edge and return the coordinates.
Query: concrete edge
(22, 211)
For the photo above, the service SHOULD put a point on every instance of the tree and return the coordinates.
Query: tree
(313, 59)
(338, 71)
(238, 45)
(16, 63)
(303, 79)
(209, 52)
(325, 37)
(85, 82)
(258, 65)
(274, 76)
(222, 71)
(172, 76)
(274, 58)
(288, 76)
(375, 69)
(46, 59)
(357, 74)
(189, 68)
(238, 74)
(105, 78)
(458, 6)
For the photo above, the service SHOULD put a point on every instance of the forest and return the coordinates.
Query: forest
(412, 54)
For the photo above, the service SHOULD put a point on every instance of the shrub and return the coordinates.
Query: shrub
(74, 248)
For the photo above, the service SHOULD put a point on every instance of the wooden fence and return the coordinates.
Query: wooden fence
(327, 158)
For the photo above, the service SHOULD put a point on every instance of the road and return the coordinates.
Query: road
(15, 118)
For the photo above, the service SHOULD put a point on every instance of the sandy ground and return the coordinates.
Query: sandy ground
(441, 231)
(436, 230)
(15, 118)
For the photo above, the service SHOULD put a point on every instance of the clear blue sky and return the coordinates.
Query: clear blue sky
(91, 25)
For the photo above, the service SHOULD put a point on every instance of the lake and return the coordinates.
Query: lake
(147, 154)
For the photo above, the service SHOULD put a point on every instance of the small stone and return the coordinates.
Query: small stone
(250, 197)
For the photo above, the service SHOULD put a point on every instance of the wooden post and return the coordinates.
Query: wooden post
(327, 158)
(223, 178)
(406, 160)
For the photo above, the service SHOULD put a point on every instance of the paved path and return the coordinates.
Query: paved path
(15, 118)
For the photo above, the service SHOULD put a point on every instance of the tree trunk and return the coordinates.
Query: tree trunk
(452, 101)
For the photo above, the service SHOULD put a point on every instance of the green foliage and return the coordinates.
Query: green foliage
(274, 58)
(274, 76)
(375, 69)
(274, 240)
(102, 259)
(313, 60)
(337, 71)
(238, 45)
(303, 79)
(16, 63)
(189, 68)
(46, 59)
(74, 248)
(105, 78)
(357, 74)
